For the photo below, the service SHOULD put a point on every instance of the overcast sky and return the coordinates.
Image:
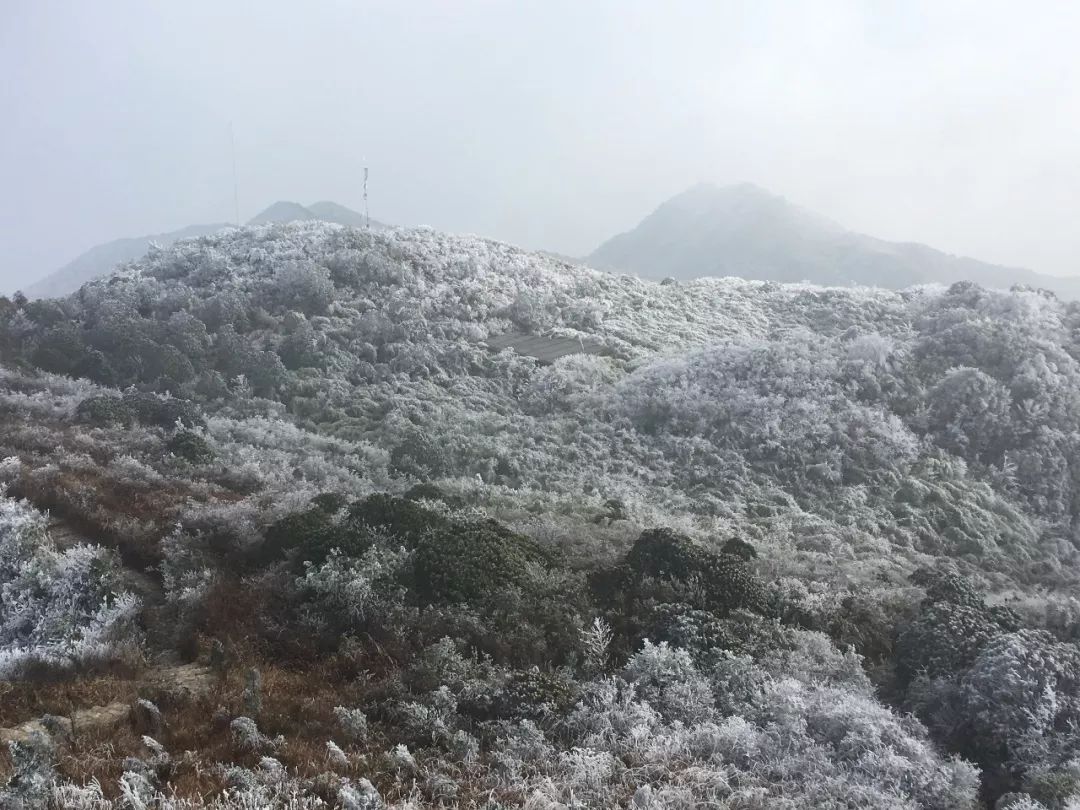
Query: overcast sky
(549, 124)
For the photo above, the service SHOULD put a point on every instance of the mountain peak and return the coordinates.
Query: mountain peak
(324, 210)
(746, 231)
(282, 211)
(706, 190)
(743, 204)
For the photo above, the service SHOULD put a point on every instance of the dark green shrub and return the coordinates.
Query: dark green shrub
(532, 694)
(168, 367)
(1053, 786)
(310, 535)
(1006, 618)
(151, 409)
(104, 411)
(943, 585)
(397, 516)
(953, 625)
(725, 581)
(608, 586)
(944, 640)
(614, 509)
(730, 584)
(867, 623)
(300, 349)
(94, 365)
(539, 621)
(190, 447)
(421, 456)
(180, 410)
(664, 553)
(739, 548)
(329, 502)
(59, 349)
(145, 406)
(468, 562)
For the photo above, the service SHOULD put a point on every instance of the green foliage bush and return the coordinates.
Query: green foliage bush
(943, 641)
(401, 517)
(151, 409)
(329, 502)
(102, 411)
(952, 627)
(470, 562)
(310, 535)
(537, 621)
(418, 454)
(726, 581)
(535, 694)
(739, 548)
(664, 553)
(190, 447)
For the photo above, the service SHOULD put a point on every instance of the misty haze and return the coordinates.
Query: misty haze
(562, 405)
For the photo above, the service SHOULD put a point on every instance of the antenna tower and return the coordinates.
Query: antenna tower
(235, 183)
(367, 217)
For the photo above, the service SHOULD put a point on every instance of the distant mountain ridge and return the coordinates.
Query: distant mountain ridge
(104, 258)
(746, 231)
(101, 259)
(322, 211)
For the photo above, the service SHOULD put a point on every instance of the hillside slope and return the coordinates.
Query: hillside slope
(102, 259)
(719, 563)
(747, 232)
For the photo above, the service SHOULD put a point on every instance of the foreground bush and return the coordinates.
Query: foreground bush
(59, 610)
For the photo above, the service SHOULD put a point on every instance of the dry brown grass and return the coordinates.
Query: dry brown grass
(298, 703)
(23, 701)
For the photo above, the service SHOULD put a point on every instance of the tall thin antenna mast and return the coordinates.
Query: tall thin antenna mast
(235, 183)
(367, 216)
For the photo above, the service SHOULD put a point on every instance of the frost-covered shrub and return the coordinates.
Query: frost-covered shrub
(969, 414)
(828, 430)
(703, 633)
(668, 680)
(246, 737)
(1022, 698)
(32, 775)
(353, 722)
(58, 610)
(305, 288)
(354, 592)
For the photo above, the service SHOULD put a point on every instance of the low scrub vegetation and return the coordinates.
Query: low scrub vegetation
(778, 546)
